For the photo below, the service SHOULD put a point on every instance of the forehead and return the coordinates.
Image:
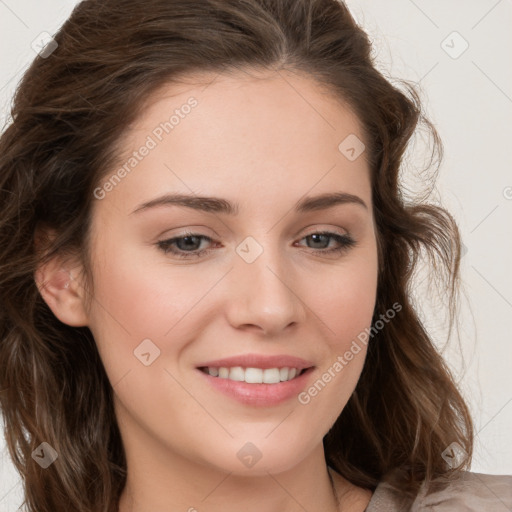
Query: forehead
(249, 98)
(250, 133)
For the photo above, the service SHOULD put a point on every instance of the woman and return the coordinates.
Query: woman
(206, 264)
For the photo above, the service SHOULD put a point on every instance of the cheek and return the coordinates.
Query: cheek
(345, 305)
(132, 303)
(346, 300)
(143, 298)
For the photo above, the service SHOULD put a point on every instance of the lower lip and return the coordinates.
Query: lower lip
(264, 395)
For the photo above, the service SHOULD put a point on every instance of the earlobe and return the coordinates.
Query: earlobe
(62, 292)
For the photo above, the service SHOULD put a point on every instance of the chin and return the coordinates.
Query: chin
(259, 457)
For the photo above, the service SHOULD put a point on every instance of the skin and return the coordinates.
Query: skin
(263, 141)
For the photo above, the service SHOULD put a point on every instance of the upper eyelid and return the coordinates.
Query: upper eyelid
(341, 226)
(312, 231)
(212, 239)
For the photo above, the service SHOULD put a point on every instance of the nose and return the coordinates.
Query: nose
(265, 295)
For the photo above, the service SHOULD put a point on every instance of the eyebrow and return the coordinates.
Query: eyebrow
(220, 205)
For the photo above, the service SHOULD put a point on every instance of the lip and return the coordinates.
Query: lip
(259, 361)
(262, 395)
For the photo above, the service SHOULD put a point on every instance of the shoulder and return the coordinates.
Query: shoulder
(472, 491)
(468, 492)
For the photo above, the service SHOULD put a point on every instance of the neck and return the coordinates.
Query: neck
(170, 482)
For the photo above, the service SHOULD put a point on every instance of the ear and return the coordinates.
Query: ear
(58, 283)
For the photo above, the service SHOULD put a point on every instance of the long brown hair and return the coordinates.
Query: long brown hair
(68, 115)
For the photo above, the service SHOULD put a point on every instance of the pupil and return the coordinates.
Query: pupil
(188, 238)
(316, 237)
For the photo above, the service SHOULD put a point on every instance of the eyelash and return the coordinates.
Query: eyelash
(345, 241)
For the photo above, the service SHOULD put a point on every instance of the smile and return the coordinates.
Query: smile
(253, 375)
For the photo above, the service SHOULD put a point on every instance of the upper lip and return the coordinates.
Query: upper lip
(259, 361)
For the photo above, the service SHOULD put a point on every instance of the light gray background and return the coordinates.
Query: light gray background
(469, 98)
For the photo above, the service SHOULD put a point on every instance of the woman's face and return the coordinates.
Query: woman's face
(264, 286)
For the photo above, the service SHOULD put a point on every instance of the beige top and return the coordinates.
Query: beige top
(472, 492)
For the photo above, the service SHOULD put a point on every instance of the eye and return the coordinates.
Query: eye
(344, 241)
(188, 245)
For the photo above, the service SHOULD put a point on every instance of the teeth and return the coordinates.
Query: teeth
(254, 375)
(236, 373)
(271, 376)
